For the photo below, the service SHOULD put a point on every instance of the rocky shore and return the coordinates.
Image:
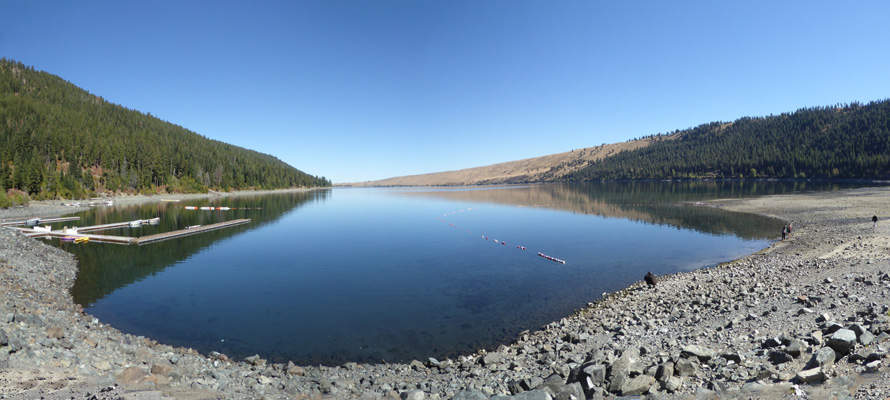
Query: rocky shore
(804, 318)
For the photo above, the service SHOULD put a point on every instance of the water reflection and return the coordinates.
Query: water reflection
(366, 275)
(105, 268)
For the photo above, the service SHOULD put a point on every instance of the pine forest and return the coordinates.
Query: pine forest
(59, 141)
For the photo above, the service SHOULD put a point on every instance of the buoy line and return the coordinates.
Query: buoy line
(496, 241)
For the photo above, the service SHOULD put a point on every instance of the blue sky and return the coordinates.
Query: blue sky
(365, 90)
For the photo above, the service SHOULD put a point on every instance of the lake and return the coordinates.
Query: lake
(395, 274)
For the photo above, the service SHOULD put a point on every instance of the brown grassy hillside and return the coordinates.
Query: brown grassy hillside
(539, 169)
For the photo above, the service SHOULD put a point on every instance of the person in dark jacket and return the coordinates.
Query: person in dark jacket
(650, 279)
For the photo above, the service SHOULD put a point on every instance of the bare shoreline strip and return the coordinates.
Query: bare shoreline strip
(749, 328)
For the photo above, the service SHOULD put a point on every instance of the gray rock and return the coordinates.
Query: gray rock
(617, 382)
(4, 340)
(664, 371)
(553, 382)
(823, 358)
(685, 367)
(702, 353)
(514, 387)
(732, 356)
(873, 366)
(816, 338)
(417, 365)
(795, 347)
(597, 374)
(470, 394)
(628, 363)
(672, 384)
(412, 395)
(491, 359)
(842, 341)
(572, 391)
(779, 357)
(636, 386)
(810, 375)
(531, 383)
(866, 338)
(532, 395)
(832, 328)
(859, 329)
(770, 343)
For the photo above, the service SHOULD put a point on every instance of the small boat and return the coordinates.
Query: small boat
(43, 228)
(135, 224)
(154, 221)
(68, 238)
(192, 226)
(82, 239)
(32, 222)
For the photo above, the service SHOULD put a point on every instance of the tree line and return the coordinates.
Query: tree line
(59, 141)
(849, 141)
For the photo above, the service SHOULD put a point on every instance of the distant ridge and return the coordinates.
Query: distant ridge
(850, 141)
(60, 141)
(547, 168)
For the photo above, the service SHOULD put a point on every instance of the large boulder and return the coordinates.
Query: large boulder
(810, 375)
(628, 363)
(597, 374)
(637, 386)
(572, 391)
(685, 367)
(702, 353)
(842, 341)
(823, 358)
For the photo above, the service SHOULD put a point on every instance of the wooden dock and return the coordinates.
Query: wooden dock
(126, 240)
(188, 231)
(40, 220)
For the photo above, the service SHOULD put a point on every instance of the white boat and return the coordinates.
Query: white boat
(154, 221)
(135, 224)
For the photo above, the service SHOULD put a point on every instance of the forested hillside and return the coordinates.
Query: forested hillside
(851, 141)
(59, 141)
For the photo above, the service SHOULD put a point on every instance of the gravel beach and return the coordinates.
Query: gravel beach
(804, 318)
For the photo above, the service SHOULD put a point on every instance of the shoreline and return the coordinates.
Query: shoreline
(745, 328)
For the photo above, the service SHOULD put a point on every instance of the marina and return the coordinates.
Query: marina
(78, 235)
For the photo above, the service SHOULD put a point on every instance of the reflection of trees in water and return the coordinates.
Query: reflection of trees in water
(660, 203)
(102, 268)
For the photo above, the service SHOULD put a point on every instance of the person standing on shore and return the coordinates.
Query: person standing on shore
(874, 220)
(784, 231)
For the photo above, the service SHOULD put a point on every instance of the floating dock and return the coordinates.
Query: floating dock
(188, 231)
(38, 232)
(35, 221)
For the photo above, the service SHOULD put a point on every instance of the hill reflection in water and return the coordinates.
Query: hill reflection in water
(366, 275)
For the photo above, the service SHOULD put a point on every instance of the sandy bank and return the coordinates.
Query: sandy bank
(758, 327)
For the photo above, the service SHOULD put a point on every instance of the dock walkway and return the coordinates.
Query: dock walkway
(126, 240)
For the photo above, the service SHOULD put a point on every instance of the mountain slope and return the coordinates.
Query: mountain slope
(850, 141)
(551, 167)
(57, 140)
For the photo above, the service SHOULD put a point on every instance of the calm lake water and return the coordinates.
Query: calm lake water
(366, 275)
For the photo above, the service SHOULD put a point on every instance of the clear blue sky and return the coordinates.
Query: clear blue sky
(364, 90)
